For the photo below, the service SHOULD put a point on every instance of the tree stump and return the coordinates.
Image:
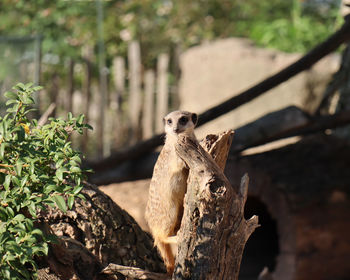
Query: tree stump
(213, 230)
(97, 233)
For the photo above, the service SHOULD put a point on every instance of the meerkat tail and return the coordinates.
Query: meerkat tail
(167, 255)
(171, 239)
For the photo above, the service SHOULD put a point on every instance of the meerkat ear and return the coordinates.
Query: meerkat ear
(194, 118)
(163, 121)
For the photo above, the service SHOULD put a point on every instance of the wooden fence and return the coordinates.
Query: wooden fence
(130, 109)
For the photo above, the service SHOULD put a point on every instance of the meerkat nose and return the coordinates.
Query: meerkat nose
(177, 130)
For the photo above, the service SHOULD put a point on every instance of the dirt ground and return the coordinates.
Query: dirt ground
(132, 197)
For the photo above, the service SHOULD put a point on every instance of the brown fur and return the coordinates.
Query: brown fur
(168, 187)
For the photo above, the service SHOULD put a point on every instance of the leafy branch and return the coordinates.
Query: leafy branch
(38, 168)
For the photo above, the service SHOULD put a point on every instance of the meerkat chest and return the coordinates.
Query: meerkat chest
(178, 174)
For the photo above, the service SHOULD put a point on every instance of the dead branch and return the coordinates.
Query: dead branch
(329, 45)
(134, 272)
(314, 125)
(285, 123)
(49, 111)
(213, 231)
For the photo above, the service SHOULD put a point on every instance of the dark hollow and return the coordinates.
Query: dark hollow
(262, 247)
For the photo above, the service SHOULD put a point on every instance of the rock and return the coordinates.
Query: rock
(214, 72)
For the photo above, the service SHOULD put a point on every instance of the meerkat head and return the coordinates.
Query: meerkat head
(180, 122)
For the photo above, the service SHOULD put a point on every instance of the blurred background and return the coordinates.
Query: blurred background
(118, 62)
(126, 64)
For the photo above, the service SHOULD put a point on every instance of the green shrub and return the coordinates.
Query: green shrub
(297, 33)
(38, 167)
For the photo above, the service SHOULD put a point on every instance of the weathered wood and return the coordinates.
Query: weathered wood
(70, 259)
(134, 272)
(134, 57)
(148, 105)
(119, 124)
(121, 166)
(162, 91)
(271, 126)
(218, 146)
(87, 97)
(119, 78)
(106, 232)
(54, 91)
(48, 113)
(213, 230)
(70, 86)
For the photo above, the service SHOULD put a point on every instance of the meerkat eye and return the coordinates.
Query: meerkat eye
(169, 121)
(183, 120)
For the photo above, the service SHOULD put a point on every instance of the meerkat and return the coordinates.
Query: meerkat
(168, 186)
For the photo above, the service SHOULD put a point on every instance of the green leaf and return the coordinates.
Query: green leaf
(10, 95)
(70, 201)
(59, 173)
(37, 232)
(10, 212)
(37, 88)
(11, 101)
(80, 195)
(60, 203)
(80, 119)
(19, 218)
(50, 188)
(7, 182)
(32, 209)
(77, 190)
(69, 116)
(15, 181)
(88, 126)
(19, 166)
(24, 181)
(75, 169)
(76, 159)
(2, 150)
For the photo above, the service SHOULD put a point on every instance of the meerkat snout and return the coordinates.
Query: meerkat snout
(180, 122)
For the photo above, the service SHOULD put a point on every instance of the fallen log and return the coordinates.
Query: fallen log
(94, 233)
(281, 124)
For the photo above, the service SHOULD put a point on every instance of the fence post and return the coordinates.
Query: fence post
(134, 56)
(118, 70)
(118, 73)
(70, 91)
(162, 90)
(148, 105)
(87, 97)
(54, 91)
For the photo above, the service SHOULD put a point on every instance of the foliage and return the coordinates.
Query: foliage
(69, 27)
(297, 33)
(38, 167)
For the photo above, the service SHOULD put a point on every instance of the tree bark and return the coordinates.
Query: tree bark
(96, 232)
(213, 230)
(92, 234)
